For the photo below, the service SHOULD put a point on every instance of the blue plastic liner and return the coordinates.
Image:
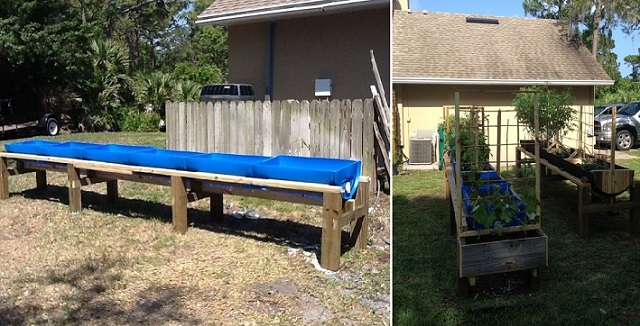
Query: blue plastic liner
(337, 172)
(112, 153)
(221, 163)
(486, 190)
(33, 147)
(163, 158)
(69, 149)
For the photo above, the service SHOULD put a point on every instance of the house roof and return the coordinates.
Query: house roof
(230, 12)
(442, 48)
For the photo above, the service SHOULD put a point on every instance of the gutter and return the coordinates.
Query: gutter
(470, 81)
(279, 12)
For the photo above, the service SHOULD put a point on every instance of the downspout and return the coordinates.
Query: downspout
(268, 73)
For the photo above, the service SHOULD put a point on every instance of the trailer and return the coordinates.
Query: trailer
(12, 122)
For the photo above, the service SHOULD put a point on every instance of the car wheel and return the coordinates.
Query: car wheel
(53, 127)
(624, 140)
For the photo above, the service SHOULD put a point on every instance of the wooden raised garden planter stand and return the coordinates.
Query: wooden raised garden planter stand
(586, 190)
(187, 187)
(481, 252)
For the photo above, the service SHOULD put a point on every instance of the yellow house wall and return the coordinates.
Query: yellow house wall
(421, 107)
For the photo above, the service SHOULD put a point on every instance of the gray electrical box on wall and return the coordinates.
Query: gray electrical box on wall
(323, 87)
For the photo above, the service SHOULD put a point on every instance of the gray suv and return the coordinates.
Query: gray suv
(227, 92)
(627, 127)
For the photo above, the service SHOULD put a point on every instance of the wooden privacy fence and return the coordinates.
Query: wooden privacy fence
(334, 129)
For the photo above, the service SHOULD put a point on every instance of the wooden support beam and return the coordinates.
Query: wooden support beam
(41, 180)
(584, 199)
(331, 232)
(179, 204)
(360, 227)
(4, 179)
(634, 214)
(75, 189)
(112, 191)
(216, 207)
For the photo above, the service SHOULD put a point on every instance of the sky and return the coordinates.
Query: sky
(625, 44)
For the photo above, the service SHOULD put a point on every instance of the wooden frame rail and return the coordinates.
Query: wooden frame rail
(585, 195)
(188, 186)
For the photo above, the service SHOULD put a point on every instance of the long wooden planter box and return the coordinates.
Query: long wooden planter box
(497, 254)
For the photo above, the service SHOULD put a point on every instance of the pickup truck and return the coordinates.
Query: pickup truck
(627, 127)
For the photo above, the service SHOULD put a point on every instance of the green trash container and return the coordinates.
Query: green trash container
(440, 146)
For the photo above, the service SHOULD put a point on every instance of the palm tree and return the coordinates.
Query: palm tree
(153, 90)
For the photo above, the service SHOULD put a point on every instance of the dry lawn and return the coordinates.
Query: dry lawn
(121, 264)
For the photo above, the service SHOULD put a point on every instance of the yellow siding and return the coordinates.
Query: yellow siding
(421, 107)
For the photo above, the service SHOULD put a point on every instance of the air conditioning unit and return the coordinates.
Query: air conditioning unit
(421, 147)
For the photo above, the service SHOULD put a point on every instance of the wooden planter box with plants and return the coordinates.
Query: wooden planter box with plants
(598, 179)
(494, 231)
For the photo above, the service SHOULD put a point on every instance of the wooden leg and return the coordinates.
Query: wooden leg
(534, 279)
(360, 228)
(452, 215)
(331, 232)
(518, 163)
(216, 207)
(634, 214)
(179, 204)
(75, 189)
(4, 178)
(584, 199)
(112, 191)
(41, 180)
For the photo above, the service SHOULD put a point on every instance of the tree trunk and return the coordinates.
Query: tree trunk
(597, 16)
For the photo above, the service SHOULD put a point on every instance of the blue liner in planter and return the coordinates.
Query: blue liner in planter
(69, 149)
(162, 158)
(485, 190)
(222, 163)
(113, 153)
(338, 172)
(33, 147)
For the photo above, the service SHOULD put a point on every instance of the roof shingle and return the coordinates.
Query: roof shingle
(442, 45)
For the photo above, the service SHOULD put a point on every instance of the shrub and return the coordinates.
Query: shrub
(137, 121)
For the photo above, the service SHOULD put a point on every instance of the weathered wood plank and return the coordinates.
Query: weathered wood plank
(218, 127)
(240, 131)
(182, 126)
(235, 121)
(211, 131)
(276, 121)
(305, 129)
(294, 136)
(202, 133)
(257, 134)
(267, 129)
(334, 132)
(249, 129)
(331, 232)
(225, 124)
(169, 116)
(368, 163)
(357, 115)
(360, 227)
(317, 118)
(503, 256)
(285, 127)
(345, 129)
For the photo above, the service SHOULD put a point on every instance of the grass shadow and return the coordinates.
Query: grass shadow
(282, 232)
(85, 299)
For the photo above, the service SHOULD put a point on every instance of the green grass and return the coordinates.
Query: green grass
(157, 139)
(588, 282)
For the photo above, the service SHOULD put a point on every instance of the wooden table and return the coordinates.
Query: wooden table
(191, 186)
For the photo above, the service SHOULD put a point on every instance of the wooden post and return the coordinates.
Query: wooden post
(634, 214)
(360, 227)
(75, 189)
(41, 180)
(331, 232)
(584, 199)
(536, 122)
(458, 171)
(452, 214)
(216, 207)
(112, 191)
(4, 178)
(179, 204)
